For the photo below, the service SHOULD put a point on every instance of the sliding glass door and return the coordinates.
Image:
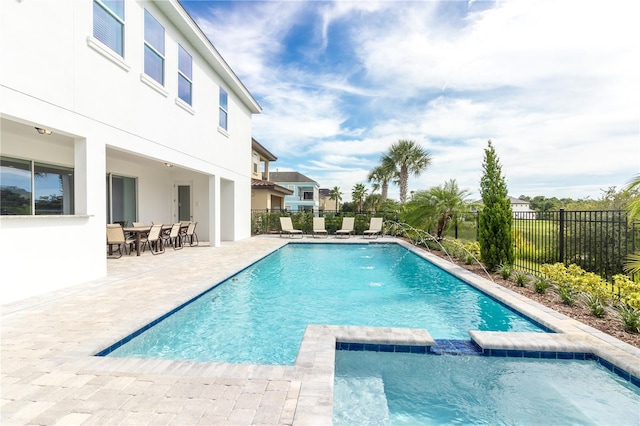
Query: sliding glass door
(122, 200)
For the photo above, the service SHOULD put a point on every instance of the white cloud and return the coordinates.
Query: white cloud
(554, 84)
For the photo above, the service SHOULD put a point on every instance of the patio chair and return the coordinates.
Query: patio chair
(287, 228)
(347, 228)
(190, 235)
(375, 228)
(137, 224)
(116, 237)
(318, 227)
(154, 239)
(174, 238)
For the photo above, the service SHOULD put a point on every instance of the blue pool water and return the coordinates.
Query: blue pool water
(378, 388)
(259, 316)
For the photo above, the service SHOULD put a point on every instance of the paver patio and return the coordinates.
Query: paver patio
(50, 376)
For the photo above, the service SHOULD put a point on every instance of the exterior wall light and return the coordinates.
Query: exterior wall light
(168, 164)
(43, 131)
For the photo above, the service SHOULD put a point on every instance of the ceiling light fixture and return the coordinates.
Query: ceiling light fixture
(43, 131)
(168, 164)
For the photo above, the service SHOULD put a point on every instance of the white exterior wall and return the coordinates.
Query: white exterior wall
(107, 119)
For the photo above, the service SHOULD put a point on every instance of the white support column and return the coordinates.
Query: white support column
(90, 172)
(214, 211)
(90, 199)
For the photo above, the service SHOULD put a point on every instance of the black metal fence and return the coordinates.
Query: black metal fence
(597, 241)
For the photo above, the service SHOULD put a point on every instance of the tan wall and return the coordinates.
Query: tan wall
(260, 200)
(327, 203)
(265, 199)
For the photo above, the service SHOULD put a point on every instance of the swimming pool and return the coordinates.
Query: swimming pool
(395, 389)
(259, 316)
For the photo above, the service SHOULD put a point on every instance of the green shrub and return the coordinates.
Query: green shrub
(568, 294)
(540, 285)
(505, 271)
(521, 279)
(596, 305)
(630, 317)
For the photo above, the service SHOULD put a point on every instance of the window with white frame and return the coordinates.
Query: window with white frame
(256, 161)
(153, 48)
(222, 122)
(184, 75)
(32, 188)
(108, 24)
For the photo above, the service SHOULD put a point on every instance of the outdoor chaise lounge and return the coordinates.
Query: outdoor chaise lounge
(318, 227)
(287, 228)
(375, 228)
(347, 228)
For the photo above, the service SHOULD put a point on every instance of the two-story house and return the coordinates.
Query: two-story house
(112, 111)
(305, 195)
(521, 209)
(265, 194)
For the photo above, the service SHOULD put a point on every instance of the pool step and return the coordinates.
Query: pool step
(371, 407)
(455, 347)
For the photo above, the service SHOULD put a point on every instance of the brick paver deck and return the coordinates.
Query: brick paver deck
(49, 375)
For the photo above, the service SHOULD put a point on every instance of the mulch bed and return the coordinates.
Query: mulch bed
(609, 324)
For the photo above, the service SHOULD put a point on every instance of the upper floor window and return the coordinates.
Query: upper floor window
(28, 187)
(108, 24)
(256, 161)
(223, 109)
(184, 75)
(153, 48)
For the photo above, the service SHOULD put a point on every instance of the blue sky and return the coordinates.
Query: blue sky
(554, 84)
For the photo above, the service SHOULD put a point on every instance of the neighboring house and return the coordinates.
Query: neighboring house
(305, 195)
(112, 111)
(520, 209)
(326, 203)
(265, 194)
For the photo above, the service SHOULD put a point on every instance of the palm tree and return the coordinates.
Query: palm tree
(336, 196)
(358, 194)
(438, 207)
(372, 202)
(408, 158)
(450, 202)
(381, 175)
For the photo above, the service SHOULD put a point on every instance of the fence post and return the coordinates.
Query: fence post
(561, 236)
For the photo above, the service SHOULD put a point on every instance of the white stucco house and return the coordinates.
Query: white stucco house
(112, 111)
(521, 209)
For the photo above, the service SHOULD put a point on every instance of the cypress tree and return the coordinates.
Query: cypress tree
(494, 221)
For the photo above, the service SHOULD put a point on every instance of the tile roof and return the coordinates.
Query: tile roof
(267, 184)
(293, 177)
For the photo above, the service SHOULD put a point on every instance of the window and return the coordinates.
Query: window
(184, 75)
(121, 199)
(307, 195)
(256, 160)
(153, 48)
(108, 24)
(223, 109)
(29, 187)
